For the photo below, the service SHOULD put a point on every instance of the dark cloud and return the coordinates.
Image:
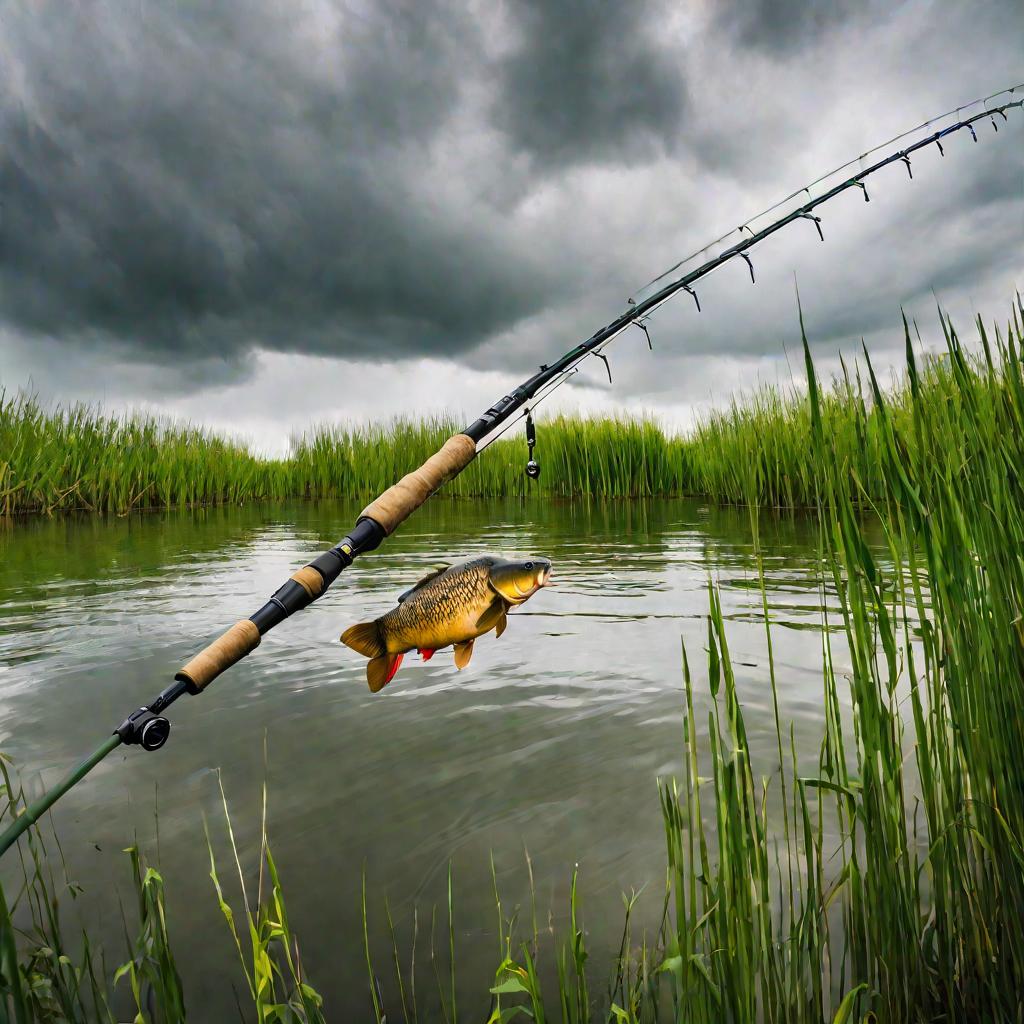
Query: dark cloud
(785, 27)
(590, 81)
(195, 179)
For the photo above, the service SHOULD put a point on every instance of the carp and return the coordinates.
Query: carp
(451, 606)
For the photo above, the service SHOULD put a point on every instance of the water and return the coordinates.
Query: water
(551, 741)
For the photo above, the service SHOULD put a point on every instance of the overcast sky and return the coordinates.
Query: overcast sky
(258, 215)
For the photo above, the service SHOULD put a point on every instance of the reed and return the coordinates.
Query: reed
(887, 884)
(47, 976)
(886, 881)
(80, 457)
(755, 451)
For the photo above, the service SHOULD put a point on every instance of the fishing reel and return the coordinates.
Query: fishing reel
(149, 731)
(532, 465)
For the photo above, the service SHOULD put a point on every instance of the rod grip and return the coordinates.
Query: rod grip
(310, 580)
(399, 501)
(230, 647)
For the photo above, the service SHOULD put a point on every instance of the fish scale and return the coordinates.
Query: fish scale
(456, 598)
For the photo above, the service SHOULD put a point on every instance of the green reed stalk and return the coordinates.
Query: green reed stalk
(756, 450)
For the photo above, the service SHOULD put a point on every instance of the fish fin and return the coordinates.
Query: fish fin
(427, 653)
(433, 574)
(463, 652)
(365, 638)
(381, 670)
(502, 623)
(491, 617)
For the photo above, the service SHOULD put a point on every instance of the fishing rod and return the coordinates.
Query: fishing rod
(149, 728)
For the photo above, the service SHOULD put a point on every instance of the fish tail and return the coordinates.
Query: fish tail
(365, 637)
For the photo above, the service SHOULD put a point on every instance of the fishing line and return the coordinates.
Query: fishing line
(858, 160)
(540, 397)
(640, 308)
(147, 727)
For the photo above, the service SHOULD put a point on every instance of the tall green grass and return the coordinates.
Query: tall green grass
(884, 881)
(755, 450)
(762, 450)
(48, 976)
(80, 457)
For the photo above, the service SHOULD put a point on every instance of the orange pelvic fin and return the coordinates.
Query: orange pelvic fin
(426, 652)
(463, 652)
(381, 670)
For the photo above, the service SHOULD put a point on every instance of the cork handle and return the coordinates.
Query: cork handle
(232, 646)
(310, 580)
(397, 503)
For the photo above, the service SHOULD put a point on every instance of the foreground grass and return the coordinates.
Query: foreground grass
(756, 450)
(893, 889)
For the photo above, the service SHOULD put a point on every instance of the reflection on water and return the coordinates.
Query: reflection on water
(552, 740)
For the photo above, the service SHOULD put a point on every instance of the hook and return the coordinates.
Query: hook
(864, 189)
(970, 128)
(750, 265)
(938, 142)
(607, 365)
(906, 160)
(643, 327)
(687, 288)
(817, 222)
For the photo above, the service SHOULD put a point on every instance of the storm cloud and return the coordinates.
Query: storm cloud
(185, 182)
(184, 187)
(591, 82)
(784, 27)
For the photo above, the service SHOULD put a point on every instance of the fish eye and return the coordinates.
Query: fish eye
(529, 565)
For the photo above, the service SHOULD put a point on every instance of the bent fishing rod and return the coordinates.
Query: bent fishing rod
(149, 728)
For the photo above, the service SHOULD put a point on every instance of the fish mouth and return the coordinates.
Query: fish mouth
(542, 579)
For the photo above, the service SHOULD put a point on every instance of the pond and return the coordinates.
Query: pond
(551, 741)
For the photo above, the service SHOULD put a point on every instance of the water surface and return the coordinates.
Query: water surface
(551, 741)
